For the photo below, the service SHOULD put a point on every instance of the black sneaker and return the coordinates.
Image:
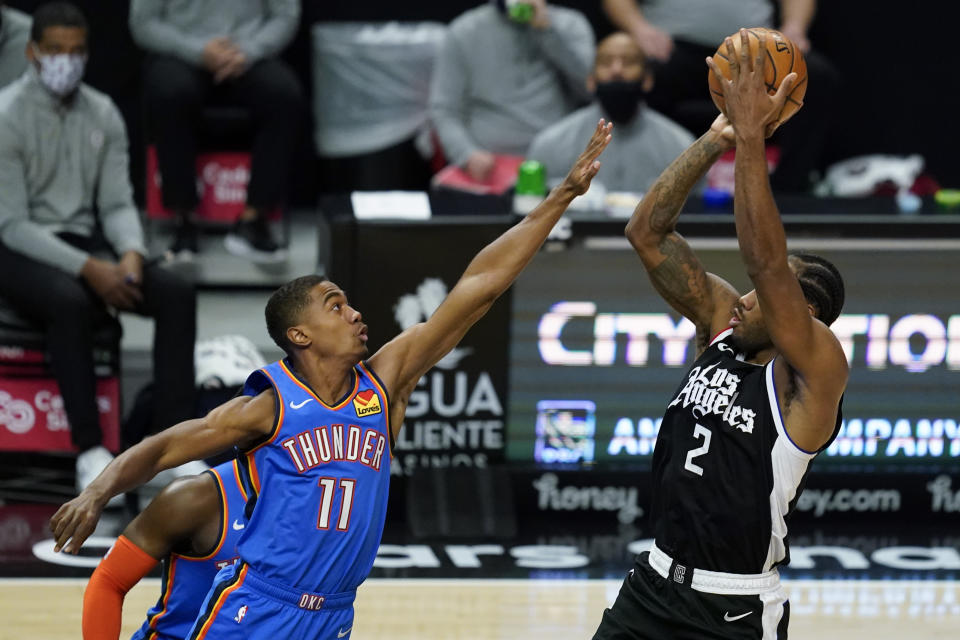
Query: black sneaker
(185, 240)
(252, 239)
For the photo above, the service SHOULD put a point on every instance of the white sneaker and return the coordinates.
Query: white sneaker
(89, 465)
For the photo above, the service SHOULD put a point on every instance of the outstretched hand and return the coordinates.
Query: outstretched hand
(587, 165)
(75, 521)
(748, 105)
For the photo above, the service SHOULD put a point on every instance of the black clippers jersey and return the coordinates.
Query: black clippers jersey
(726, 475)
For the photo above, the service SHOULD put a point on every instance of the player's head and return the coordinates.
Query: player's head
(311, 312)
(58, 46)
(822, 287)
(621, 77)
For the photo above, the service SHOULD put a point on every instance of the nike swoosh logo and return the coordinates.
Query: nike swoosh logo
(237, 526)
(342, 633)
(730, 618)
(300, 404)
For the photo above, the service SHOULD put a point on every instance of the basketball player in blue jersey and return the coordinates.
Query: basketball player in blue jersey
(316, 431)
(192, 526)
(762, 398)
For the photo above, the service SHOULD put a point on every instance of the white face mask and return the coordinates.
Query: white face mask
(61, 73)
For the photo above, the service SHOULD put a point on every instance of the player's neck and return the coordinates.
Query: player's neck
(762, 357)
(328, 378)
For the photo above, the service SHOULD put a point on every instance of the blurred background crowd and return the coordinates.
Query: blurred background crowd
(220, 117)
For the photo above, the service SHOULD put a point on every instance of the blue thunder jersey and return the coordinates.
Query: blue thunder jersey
(726, 474)
(186, 578)
(320, 481)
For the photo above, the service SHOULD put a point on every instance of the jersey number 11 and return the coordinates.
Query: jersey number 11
(328, 487)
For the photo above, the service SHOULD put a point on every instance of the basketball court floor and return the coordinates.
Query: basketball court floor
(867, 583)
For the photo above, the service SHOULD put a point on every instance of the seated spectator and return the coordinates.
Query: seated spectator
(680, 34)
(497, 82)
(63, 147)
(14, 34)
(227, 50)
(645, 143)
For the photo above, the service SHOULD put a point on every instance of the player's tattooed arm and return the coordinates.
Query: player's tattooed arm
(674, 269)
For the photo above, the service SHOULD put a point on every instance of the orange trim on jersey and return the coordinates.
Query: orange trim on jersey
(346, 399)
(236, 476)
(279, 416)
(219, 603)
(223, 522)
(254, 476)
(171, 571)
(386, 404)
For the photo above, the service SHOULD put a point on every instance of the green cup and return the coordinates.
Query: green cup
(531, 179)
(521, 12)
(947, 199)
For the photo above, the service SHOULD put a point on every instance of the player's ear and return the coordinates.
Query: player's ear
(812, 310)
(298, 337)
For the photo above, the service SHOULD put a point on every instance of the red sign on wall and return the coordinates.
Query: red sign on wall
(222, 178)
(32, 417)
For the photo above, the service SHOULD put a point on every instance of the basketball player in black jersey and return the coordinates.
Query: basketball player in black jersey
(760, 401)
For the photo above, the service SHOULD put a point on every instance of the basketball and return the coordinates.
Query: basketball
(782, 59)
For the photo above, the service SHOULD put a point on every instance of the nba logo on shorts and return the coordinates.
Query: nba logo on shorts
(242, 611)
(678, 573)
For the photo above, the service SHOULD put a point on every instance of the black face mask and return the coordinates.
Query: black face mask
(620, 99)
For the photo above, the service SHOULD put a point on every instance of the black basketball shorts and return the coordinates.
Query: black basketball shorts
(652, 607)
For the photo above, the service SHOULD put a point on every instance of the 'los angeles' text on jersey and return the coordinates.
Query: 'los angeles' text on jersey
(726, 474)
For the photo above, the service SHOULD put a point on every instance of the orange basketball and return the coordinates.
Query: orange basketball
(782, 58)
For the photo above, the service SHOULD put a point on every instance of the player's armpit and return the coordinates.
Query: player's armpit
(123, 567)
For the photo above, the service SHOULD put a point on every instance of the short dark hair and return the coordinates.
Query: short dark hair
(285, 306)
(822, 285)
(56, 14)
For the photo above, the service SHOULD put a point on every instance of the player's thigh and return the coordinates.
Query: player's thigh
(641, 610)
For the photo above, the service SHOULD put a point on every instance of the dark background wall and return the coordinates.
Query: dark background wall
(898, 62)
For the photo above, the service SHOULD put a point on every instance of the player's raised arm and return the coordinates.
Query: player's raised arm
(807, 344)
(403, 360)
(239, 422)
(673, 267)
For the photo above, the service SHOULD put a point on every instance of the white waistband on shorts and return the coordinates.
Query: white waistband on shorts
(716, 581)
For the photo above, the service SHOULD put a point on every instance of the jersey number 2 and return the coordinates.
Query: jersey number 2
(327, 488)
(698, 432)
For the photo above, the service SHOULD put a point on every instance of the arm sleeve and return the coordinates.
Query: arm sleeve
(569, 45)
(118, 214)
(17, 231)
(277, 30)
(151, 32)
(123, 566)
(448, 102)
